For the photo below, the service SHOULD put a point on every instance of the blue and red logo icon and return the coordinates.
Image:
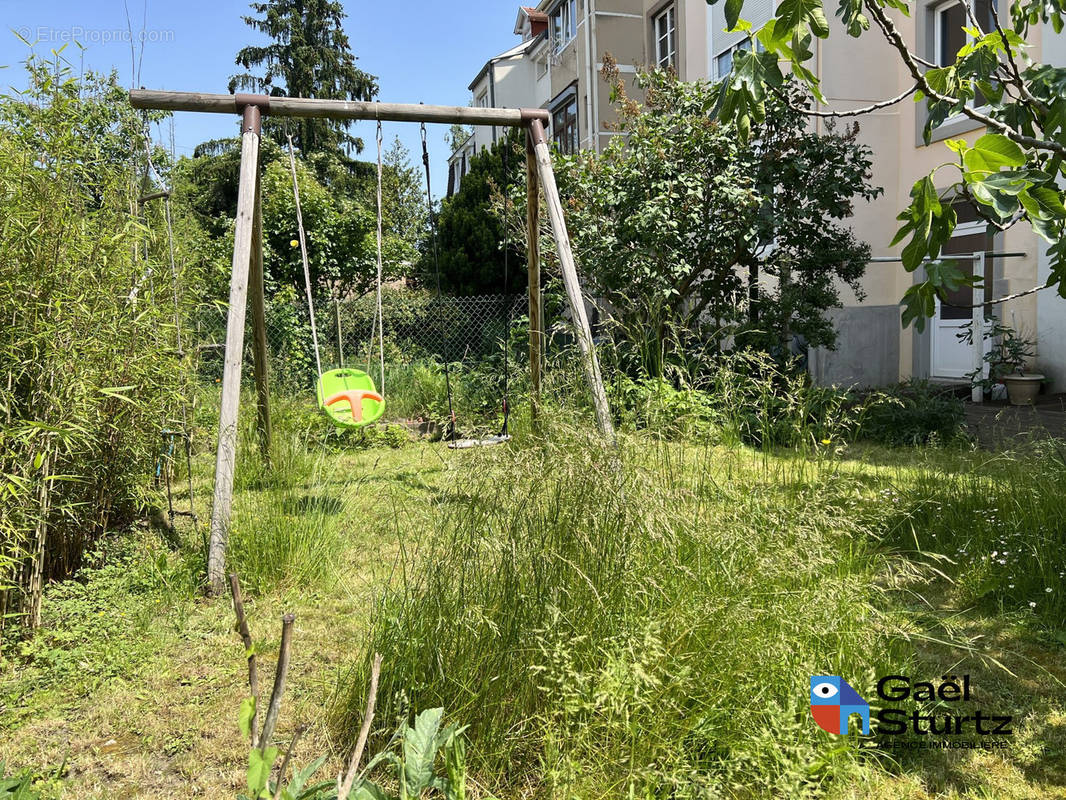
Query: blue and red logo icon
(833, 702)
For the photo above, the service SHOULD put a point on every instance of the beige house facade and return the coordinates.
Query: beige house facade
(635, 33)
(506, 81)
(557, 63)
(873, 348)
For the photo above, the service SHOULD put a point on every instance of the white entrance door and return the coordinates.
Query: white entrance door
(952, 357)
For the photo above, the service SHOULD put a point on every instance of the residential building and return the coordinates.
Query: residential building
(506, 81)
(557, 65)
(636, 33)
(873, 348)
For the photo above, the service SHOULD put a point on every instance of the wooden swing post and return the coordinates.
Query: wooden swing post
(570, 279)
(264, 427)
(536, 309)
(244, 249)
(248, 259)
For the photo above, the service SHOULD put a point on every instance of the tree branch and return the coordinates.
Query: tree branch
(895, 38)
(344, 789)
(1005, 299)
(1017, 79)
(285, 761)
(249, 648)
(855, 112)
(271, 720)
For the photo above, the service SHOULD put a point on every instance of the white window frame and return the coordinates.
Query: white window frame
(743, 45)
(937, 9)
(482, 100)
(665, 56)
(566, 11)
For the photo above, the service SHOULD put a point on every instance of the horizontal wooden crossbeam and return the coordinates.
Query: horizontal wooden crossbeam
(334, 109)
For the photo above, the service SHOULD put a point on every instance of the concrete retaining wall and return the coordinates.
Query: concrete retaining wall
(867, 352)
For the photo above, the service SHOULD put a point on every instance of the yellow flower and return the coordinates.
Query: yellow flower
(295, 243)
(827, 441)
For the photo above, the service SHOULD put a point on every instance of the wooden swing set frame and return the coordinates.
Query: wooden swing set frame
(247, 269)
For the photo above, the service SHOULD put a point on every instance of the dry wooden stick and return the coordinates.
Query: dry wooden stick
(344, 789)
(271, 719)
(285, 761)
(246, 637)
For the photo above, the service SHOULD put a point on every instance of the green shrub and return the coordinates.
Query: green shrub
(655, 404)
(913, 413)
(87, 346)
(97, 627)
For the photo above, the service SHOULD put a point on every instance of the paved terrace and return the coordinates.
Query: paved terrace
(996, 424)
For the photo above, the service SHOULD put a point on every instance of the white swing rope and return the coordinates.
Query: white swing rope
(379, 318)
(303, 255)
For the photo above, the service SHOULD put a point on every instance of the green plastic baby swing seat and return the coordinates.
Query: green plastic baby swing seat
(349, 398)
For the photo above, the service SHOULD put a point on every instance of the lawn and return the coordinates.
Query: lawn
(631, 623)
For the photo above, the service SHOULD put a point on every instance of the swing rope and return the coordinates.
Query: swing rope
(151, 168)
(303, 255)
(173, 274)
(379, 318)
(184, 433)
(506, 297)
(440, 305)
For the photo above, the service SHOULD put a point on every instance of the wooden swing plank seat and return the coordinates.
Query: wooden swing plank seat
(488, 441)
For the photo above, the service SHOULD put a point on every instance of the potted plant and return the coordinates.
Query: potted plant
(1006, 360)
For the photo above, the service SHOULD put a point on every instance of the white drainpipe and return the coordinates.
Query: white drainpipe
(591, 91)
(595, 76)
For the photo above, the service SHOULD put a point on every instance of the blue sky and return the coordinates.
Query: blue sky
(420, 51)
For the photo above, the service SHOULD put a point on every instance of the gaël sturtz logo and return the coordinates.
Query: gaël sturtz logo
(834, 702)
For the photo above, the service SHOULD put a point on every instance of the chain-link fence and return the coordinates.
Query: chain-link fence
(421, 333)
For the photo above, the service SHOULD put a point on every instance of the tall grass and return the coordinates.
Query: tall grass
(635, 626)
(291, 518)
(1001, 526)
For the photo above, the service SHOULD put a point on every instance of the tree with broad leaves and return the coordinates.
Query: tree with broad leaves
(800, 250)
(692, 235)
(1013, 174)
(456, 136)
(309, 56)
(341, 227)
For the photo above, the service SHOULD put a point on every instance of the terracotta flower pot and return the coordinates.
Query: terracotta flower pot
(1023, 389)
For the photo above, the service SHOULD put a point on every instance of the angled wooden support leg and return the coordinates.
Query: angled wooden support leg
(258, 296)
(570, 279)
(225, 459)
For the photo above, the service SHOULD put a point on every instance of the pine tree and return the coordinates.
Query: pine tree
(309, 56)
(470, 234)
